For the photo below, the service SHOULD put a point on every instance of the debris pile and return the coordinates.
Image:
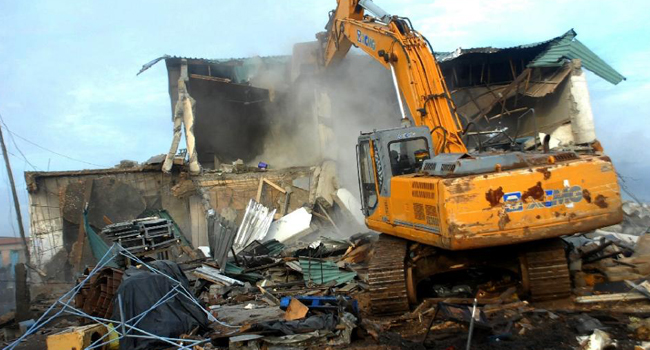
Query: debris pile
(607, 264)
(282, 281)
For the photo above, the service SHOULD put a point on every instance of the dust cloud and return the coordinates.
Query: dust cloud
(357, 95)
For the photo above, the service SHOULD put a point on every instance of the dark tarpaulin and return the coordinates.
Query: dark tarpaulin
(309, 324)
(140, 289)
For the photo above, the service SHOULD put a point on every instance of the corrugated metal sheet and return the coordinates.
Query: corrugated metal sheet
(323, 272)
(221, 234)
(237, 272)
(567, 47)
(254, 226)
(553, 52)
(211, 274)
(274, 247)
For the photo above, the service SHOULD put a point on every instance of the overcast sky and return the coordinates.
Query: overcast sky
(68, 83)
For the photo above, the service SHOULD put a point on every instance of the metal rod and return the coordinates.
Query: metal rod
(19, 217)
(45, 318)
(127, 328)
(399, 96)
(119, 304)
(471, 325)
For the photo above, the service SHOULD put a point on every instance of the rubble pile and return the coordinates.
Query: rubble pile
(308, 293)
(608, 260)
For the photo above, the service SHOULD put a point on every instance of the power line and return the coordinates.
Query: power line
(12, 134)
(16, 145)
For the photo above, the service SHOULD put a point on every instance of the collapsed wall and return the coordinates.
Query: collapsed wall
(115, 195)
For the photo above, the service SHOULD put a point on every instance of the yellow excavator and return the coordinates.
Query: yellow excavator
(441, 209)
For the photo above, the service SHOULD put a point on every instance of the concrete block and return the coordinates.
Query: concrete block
(76, 338)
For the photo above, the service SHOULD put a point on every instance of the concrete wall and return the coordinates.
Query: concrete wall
(55, 208)
(56, 203)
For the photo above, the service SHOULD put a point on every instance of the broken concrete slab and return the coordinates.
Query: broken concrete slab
(323, 184)
(642, 246)
(599, 340)
(347, 201)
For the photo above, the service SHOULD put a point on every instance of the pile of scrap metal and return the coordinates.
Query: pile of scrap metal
(142, 235)
(156, 237)
(612, 264)
(270, 293)
(290, 295)
(322, 208)
(274, 270)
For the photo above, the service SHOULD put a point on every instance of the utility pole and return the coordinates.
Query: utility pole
(19, 217)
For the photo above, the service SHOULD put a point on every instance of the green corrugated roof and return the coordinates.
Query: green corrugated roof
(97, 245)
(322, 272)
(567, 47)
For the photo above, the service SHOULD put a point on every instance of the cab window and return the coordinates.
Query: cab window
(366, 178)
(407, 156)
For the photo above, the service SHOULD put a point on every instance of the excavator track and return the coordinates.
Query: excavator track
(386, 276)
(545, 271)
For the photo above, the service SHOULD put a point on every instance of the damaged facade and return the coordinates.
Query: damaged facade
(528, 89)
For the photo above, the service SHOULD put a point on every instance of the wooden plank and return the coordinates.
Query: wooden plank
(274, 185)
(210, 78)
(610, 297)
(258, 197)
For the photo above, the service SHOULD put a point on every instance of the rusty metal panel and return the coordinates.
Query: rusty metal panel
(531, 203)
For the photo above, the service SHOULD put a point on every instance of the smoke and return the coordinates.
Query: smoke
(292, 136)
(362, 99)
(320, 116)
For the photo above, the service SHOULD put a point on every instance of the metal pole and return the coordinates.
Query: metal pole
(19, 217)
(471, 325)
(119, 304)
(399, 96)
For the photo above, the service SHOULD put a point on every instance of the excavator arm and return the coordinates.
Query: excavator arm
(393, 42)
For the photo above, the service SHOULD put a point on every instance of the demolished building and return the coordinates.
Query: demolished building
(266, 162)
(272, 118)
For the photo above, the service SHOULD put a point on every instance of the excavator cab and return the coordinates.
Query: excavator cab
(382, 154)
